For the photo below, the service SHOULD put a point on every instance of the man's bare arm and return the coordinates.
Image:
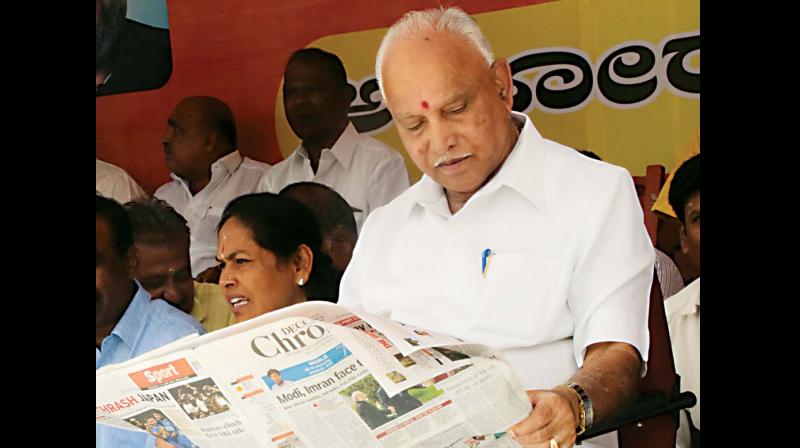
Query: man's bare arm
(610, 376)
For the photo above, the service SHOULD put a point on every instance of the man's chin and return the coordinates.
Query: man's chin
(171, 166)
(304, 129)
(456, 183)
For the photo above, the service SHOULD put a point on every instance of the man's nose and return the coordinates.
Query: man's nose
(167, 137)
(443, 137)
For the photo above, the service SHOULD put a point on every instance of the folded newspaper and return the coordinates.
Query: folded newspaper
(316, 375)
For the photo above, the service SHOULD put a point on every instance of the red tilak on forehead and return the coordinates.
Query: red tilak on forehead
(424, 104)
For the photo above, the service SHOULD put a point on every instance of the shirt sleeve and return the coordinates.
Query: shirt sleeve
(610, 292)
(129, 189)
(122, 188)
(389, 179)
(353, 284)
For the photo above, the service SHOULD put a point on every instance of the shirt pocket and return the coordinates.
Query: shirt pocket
(206, 231)
(517, 300)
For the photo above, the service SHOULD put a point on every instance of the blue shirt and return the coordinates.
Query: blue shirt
(146, 324)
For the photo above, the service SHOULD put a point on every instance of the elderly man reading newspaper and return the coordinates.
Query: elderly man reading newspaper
(509, 239)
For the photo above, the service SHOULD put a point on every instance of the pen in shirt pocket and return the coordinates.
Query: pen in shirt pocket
(486, 260)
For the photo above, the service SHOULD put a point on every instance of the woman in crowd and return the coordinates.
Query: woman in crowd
(269, 253)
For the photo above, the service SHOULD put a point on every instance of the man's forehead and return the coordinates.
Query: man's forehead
(435, 71)
(308, 72)
(693, 201)
(187, 111)
(163, 257)
(441, 48)
(307, 64)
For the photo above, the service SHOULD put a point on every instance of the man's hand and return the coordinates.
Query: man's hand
(610, 376)
(553, 417)
(210, 275)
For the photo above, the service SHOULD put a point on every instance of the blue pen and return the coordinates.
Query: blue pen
(486, 258)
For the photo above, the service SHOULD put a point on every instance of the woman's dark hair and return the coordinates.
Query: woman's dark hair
(281, 224)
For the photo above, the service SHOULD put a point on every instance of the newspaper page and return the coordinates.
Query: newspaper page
(315, 375)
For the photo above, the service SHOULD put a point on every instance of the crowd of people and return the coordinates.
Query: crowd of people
(509, 239)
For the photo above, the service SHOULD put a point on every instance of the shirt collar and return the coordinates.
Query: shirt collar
(343, 149)
(692, 305)
(227, 164)
(129, 327)
(522, 171)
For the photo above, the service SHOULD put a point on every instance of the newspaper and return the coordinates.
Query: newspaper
(316, 375)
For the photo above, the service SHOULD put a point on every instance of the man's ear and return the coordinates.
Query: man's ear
(131, 260)
(503, 82)
(211, 141)
(348, 95)
(684, 244)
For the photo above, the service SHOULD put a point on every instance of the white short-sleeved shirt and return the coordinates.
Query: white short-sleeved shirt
(683, 318)
(113, 182)
(231, 176)
(572, 262)
(366, 172)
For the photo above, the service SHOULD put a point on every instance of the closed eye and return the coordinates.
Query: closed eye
(458, 110)
(416, 126)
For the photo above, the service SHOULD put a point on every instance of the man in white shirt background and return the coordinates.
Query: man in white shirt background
(316, 98)
(683, 309)
(207, 171)
(509, 239)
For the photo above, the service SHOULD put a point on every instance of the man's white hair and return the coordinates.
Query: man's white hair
(453, 20)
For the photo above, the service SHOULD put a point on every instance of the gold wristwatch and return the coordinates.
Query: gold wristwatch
(585, 406)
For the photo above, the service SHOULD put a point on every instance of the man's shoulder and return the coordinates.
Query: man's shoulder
(391, 215)
(575, 181)
(375, 149)
(285, 164)
(104, 170)
(255, 165)
(572, 165)
(678, 303)
(166, 190)
(169, 321)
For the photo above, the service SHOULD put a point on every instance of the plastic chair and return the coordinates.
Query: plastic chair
(648, 187)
